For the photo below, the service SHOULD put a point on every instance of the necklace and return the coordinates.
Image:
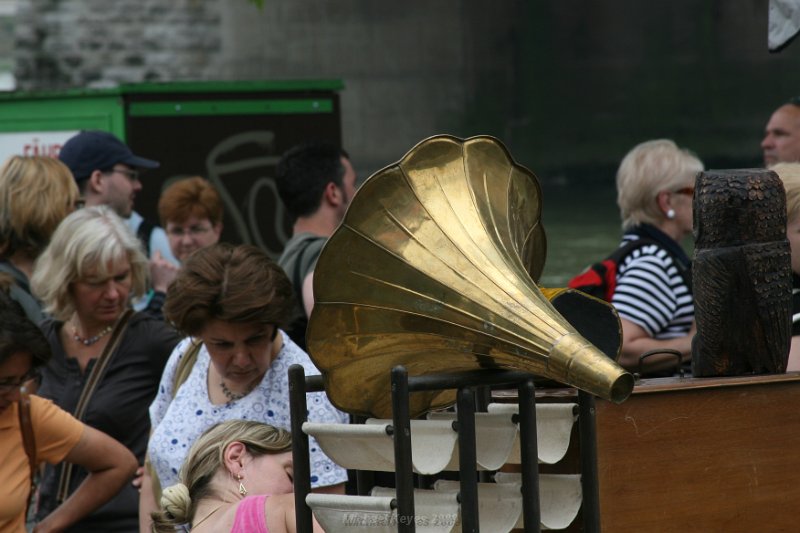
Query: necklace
(90, 340)
(233, 396)
(214, 510)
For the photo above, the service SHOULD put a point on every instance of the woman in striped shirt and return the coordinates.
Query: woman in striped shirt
(655, 186)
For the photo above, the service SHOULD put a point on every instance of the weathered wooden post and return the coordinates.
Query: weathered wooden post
(742, 274)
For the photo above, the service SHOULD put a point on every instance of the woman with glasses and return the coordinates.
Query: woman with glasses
(36, 193)
(107, 361)
(35, 431)
(653, 295)
(191, 212)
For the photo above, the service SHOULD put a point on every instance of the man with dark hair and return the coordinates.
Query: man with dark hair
(316, 183)
(781, 142)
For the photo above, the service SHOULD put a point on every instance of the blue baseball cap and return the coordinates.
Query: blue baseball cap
(92, 150)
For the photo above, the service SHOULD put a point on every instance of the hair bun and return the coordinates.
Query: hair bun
(175, 501)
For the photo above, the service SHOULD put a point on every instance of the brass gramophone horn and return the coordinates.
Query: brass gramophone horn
(433, 268)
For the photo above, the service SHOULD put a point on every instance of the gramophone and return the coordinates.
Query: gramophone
(434, 267)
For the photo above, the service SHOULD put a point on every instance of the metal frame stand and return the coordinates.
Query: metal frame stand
(465, 382)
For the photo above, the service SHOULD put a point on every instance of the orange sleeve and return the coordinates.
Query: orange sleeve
(56, 431)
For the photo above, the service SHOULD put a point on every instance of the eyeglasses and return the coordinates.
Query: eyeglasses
(688, 191)
(132, 175)
(8, 385)
(194, 231)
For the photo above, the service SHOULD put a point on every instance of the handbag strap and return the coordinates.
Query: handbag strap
(95, 376)
(28, 441)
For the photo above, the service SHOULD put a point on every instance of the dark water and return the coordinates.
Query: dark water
(582, 225)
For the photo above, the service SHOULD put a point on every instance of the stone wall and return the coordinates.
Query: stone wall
(69, 44)
(410, 69)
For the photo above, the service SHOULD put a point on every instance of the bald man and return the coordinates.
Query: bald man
(781, 142)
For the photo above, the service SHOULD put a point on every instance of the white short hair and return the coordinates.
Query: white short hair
(649, 168)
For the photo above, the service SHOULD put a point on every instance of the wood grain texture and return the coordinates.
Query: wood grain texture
(690, 458)
(742, 278)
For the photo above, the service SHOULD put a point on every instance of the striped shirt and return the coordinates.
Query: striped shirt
(652, 293)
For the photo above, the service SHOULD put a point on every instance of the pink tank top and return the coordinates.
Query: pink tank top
(250, 516)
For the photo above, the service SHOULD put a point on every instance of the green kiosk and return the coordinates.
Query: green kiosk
(231, 133)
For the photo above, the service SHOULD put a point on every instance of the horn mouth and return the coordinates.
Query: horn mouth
(574, 360)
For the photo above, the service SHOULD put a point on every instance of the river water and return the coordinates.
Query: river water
(582, 225)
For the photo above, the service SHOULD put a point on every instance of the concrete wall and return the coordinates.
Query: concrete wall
(569, 85)
(410, 69)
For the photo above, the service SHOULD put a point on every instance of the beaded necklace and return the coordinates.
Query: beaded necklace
(90, 340)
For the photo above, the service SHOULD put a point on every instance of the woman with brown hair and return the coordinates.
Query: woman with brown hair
(191, 212)
(34, 431)
(232, 300)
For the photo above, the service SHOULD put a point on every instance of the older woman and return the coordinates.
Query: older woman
(191, 212)
(232, 299)
(56, 435)
(36, 193)
(107, 362)
(655, 185)
(237, 477)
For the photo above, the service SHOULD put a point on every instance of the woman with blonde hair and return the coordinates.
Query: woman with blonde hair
(789, 173)
(36, 193)
(107, 361)
(653, 295)
(237, 477)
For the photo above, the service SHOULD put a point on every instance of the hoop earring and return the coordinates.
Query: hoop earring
(242, 489)
(670, 213)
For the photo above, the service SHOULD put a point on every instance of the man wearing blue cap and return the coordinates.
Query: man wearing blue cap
(107, 173)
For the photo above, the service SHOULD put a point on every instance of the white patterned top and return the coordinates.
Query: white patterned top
(178, 421)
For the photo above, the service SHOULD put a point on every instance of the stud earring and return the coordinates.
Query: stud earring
(670, 214)
(242, 489)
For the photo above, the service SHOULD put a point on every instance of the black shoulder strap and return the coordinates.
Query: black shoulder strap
(623, 251)
(144, 231)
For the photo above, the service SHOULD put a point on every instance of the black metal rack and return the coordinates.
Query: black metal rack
(465, 383)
